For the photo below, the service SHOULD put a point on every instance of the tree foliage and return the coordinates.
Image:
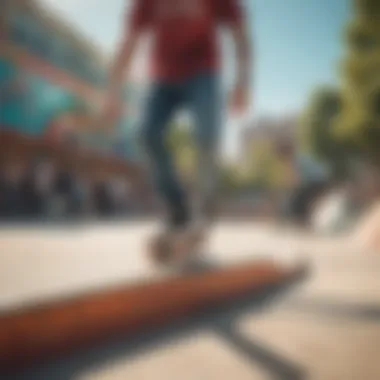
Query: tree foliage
(318, 131)
(359, 121)
(346, 121)
(262, 169)
(316, 125)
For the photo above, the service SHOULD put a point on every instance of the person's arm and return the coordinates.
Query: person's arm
(121, 64)
(244, 65)
(113, 101)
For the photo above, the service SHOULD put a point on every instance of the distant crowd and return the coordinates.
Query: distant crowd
(41, 189)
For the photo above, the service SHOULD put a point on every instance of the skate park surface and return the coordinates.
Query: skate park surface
(324, 327)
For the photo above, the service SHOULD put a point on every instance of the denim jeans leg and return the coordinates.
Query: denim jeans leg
(203, 97)
(164, 99)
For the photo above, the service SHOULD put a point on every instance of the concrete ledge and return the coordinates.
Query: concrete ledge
(32, 336)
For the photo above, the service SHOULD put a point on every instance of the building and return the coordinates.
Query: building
(267, 129)
(52, 79)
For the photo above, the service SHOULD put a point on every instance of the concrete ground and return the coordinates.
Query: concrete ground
(327, 328)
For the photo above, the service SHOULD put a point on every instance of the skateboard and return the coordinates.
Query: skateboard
(176, 248)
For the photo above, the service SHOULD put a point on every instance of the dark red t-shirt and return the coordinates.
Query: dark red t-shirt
(184, 32)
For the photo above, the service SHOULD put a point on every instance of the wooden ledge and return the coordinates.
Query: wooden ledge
(36, 335)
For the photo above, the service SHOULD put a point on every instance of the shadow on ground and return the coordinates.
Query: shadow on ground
(220, 320)
(330, 308)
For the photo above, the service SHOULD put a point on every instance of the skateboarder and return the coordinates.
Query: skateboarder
(185, 74)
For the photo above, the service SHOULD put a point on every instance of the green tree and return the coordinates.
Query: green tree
(316, 124)
(263, 168)
(317, 129)
(232, 179)
(359, 122)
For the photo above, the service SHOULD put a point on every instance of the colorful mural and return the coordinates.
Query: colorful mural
(29, 103)
(33, 105)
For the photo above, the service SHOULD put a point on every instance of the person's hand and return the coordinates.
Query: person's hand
(239, 100)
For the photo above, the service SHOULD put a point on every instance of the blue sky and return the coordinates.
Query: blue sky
(299, 45)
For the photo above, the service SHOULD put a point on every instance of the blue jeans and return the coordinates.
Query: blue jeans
(199, 95)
